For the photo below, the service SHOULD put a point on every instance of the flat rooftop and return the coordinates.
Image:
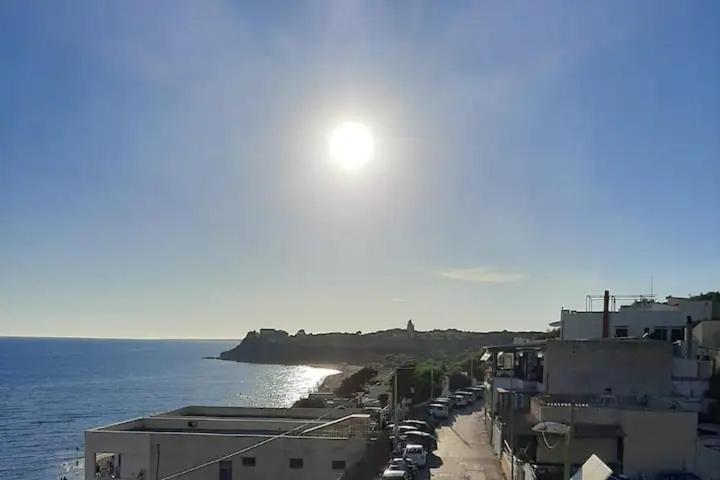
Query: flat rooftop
(202, 411)
(302, 422)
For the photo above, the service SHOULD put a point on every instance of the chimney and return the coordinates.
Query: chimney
(689, 337)
(606, 315)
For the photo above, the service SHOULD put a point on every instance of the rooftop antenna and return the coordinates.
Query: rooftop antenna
(651, 288)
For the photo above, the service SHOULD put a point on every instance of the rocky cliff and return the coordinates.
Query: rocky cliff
(277, 346)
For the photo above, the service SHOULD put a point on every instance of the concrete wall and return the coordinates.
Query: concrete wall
(249, 412)
(655, 440)
(579, 325)
(708, 459)
(628, 367)
(707, 334)
(698, 310)
(596, 415)
(263, 425)
(179, 451)
(659, 440)
(133, 447)
(691, 389)
(581, 449)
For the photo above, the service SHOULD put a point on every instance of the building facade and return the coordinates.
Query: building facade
(155, 447)
(620, 398)
(665, 321)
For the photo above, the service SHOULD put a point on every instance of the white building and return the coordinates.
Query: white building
(622, 398)
(666, 320)
(152, 448)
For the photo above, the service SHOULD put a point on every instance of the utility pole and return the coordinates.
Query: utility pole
(432, 380)
(568, 438)
(472, 375)
(512, 430)
(395, 411)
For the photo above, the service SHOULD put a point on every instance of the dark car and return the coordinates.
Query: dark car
(425, 439)
(420, 425)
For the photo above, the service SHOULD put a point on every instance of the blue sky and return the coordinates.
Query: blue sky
(164, 170)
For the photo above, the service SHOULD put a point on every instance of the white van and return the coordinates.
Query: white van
(417, 454)
(438, 410)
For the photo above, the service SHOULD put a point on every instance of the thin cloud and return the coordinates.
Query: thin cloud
(482, 275)
(400, 300)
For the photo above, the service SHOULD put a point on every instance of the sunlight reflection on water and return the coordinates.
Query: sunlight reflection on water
(53, 390)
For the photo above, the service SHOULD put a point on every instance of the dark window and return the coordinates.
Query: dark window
(248, 461)
(338, 464)
(621, 332)
(296, 463)
(677, 334)
(660, 333)
(225, 471)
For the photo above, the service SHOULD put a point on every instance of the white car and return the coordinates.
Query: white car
(438, 410)
(417, 454)
(396, 475)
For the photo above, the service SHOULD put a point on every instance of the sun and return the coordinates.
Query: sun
(351, 145)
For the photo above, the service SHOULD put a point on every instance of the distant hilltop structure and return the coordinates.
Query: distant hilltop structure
(270, 345)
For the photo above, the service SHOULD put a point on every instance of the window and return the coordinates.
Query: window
(248, 461)
(660, 333)
(677, 334)
(621, 332)
(225, 471)
(296, 463)
(338, 464)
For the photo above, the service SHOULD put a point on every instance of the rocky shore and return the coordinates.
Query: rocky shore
(332, 382)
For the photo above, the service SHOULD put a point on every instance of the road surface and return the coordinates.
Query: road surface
(464, 450)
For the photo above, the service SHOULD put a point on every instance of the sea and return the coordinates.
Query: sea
(52, 390)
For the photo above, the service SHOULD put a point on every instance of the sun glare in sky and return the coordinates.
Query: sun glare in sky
(351, 145)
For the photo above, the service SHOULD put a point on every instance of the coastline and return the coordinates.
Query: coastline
(333, 381)
(328, 384)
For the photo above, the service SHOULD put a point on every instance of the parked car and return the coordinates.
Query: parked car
(425, 439)
(438, 410)
(470, 396)
(421, 425)
(396, 475)
(447, 401)
(403, 428)
(417, 454)
(405, 464)
(459, 400)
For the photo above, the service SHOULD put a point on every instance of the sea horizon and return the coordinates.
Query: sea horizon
(54, 389)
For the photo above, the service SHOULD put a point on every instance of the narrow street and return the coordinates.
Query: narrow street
(464, 450)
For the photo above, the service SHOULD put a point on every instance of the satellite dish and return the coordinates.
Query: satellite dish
(551, 427)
